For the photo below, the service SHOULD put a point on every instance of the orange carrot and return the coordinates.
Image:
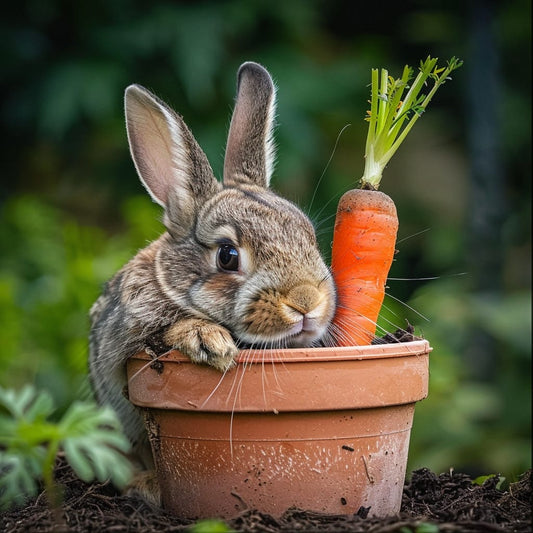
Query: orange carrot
(364, 242)
(364, 236)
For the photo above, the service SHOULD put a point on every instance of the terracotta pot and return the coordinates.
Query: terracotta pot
(323, 429)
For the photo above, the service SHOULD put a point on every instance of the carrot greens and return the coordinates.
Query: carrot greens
(391, 118)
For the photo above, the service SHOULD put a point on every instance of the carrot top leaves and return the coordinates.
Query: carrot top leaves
(391, 118)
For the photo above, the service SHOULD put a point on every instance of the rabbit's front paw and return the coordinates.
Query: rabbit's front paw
(203, 341)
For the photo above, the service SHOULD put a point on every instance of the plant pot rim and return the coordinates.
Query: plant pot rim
(285, 380)
(298, 355)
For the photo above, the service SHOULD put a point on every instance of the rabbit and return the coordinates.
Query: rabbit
(238, 266)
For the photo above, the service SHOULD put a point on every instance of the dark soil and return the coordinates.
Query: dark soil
(400, 335)
(447, 502)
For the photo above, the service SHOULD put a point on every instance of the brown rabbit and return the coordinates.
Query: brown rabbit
(238, 266)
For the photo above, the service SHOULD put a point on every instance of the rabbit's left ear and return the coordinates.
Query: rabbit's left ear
(250, 150)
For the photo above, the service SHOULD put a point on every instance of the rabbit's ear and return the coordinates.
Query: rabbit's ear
(250, 150)
(169, 161)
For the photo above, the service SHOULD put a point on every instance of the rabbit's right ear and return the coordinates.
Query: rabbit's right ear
(169, 161)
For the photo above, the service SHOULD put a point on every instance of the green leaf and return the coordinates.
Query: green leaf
(18, 479)
(93, 459)
(78, 460)
(94, 445)
(480, 480)
(27, 403)
(211, 526)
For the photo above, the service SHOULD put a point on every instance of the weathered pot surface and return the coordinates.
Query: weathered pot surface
(323, 429)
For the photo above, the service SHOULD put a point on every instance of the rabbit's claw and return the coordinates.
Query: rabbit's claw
(204, 342)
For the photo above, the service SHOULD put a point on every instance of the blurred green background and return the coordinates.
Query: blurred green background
(72, 210)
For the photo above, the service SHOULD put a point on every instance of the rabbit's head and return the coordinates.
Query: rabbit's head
(235, 253)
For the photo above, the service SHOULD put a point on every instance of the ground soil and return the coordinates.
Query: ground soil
(448, 502)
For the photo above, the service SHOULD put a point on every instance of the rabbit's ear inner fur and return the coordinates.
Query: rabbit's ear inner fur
(169, 161)
(250, 149)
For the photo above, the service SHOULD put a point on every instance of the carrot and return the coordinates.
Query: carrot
(364, 236)
(363, 249)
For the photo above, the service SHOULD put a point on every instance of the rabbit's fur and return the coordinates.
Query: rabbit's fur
(237, 266)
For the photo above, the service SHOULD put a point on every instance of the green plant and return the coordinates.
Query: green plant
(391, 118)
(210, 526)
(480, 480)
(89, 436)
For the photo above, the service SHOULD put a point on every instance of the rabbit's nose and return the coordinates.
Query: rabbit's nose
(303, 298)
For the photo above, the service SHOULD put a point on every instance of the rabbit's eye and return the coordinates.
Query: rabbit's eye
(228, 258)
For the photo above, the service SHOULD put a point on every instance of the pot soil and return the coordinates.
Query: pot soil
(322, 429)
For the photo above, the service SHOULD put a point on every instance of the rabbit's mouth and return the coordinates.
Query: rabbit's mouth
(304, 332)
(306, 325)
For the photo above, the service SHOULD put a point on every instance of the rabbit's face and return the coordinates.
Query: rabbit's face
(258, 270)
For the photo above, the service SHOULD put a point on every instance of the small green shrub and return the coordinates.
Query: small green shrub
(89, 436)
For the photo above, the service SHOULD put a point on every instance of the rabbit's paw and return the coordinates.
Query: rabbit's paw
(145, 485)
(203, 341)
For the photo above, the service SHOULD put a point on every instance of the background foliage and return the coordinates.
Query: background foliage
(72, 210)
